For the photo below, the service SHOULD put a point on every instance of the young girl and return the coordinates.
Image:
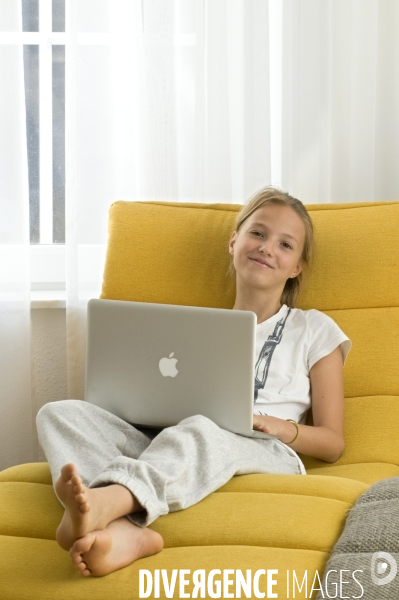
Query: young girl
(113, 479)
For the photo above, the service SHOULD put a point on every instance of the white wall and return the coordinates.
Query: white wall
(49, 359)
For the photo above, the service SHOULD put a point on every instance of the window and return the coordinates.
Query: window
(43, 25)
(43, 40)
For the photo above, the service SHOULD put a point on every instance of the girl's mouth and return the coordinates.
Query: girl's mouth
(262, 264)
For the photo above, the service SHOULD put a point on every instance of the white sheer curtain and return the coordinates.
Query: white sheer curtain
(340, 124)
(165, 100)
(209, 100)
(191, 100)
(16, 393)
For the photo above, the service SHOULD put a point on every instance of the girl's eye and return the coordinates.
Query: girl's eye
(256, 233)
(287, 245)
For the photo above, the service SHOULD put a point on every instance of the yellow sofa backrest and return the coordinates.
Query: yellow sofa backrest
(177, 253)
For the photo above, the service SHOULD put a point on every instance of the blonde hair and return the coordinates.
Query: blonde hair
(273, 195)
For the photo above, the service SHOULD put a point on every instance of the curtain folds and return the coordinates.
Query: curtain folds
(208, 101)
(340, 74)
(16, 384)
(170, 101)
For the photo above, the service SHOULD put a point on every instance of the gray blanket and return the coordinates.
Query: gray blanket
(364, 561)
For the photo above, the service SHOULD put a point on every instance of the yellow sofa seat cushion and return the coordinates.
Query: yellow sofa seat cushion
(31, 509)
(40, 570)
(254, 522)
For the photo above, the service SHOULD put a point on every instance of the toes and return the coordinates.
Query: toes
(80, 491)
(82, 568)
(81, 497)
(78, 548)
(82, 544)
(79, 488)
(76, 479)
(76, 559)
(84, 506)
(68, 471)
(75, 553)
(78, 562)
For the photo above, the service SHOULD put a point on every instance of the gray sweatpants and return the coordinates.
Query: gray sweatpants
(174, 470)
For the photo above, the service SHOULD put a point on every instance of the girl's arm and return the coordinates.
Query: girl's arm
(325, 439)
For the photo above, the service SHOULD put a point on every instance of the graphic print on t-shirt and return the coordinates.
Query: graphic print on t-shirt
(265, 356)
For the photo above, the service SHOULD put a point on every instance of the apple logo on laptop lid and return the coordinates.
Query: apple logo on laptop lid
(167, 366)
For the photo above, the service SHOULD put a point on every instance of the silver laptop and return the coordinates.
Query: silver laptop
(156, 364)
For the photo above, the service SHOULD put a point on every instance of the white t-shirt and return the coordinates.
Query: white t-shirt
(287, 346)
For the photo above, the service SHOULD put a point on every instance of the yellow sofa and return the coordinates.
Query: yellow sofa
(177, 253)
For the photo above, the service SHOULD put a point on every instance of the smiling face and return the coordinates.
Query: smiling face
(267, 249)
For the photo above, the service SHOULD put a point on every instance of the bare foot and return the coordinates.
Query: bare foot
(88, 509)
(118, 545)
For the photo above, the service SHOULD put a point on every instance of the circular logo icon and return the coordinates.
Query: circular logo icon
(383, 564)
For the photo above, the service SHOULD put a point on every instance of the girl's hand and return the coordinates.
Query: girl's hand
(266, 424)
(283, 430)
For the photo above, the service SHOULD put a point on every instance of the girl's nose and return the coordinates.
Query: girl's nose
(266, 247)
